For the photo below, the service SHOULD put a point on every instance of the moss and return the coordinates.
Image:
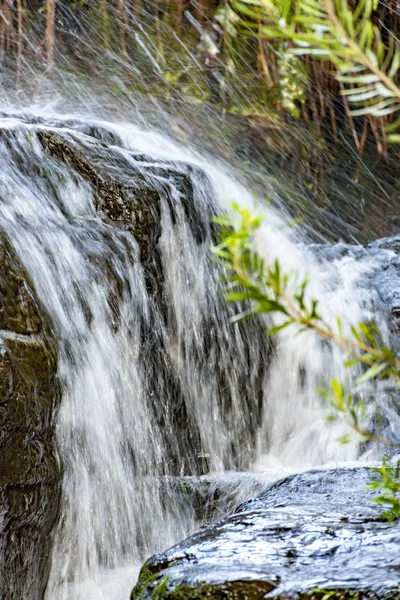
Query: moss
(29, 468)
(158, 587)
(235, 590)
(339, 594)
(18, 311)
(145, 580)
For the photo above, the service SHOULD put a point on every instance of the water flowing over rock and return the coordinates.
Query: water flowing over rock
(117, 306)
(116, 244)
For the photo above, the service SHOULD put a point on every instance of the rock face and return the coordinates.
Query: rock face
(382, 277)
(311, 535)
(129, 193)
(29, 469)
(310, 531)
(387, 281)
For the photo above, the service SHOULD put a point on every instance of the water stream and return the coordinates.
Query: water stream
(158, 382)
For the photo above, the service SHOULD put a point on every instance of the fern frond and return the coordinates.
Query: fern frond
(347, 37)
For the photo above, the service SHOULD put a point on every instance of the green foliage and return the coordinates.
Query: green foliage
(292, 80)
(150, 580)
(252, 280)
(332, 594)
(388, 481)
(331, 30)
(266, 289)
(228, 19)
(159, 589)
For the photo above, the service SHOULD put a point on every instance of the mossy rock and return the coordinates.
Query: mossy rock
(29, 467)
(316, 535)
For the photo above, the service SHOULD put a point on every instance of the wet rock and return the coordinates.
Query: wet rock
(213, 496)
(387, 280)
(381, 277)
(29, 468)
(381, 280)
(128, 188)
(126, 192)
(134, 192)
(121, 193)
(311, 535)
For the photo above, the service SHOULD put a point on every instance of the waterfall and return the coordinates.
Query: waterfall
(156, 381)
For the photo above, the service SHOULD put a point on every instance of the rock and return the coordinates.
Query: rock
(29, 468)
(213, 496)
(387, 281)
(311, 535)
(121, 193)
(132, 192)
(382, 281)
(378, 281)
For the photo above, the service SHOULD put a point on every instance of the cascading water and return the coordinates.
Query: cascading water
(155, 379)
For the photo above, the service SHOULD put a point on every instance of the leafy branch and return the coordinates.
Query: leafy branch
(265, 289)
(330, 30)
(388, 481)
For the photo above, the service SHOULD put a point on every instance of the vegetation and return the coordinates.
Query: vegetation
(271, 291)
(365, 58)
(244, 56)
(366, 66)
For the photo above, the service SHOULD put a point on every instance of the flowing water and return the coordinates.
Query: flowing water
(156, 380)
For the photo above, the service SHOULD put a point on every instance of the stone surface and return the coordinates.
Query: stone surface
(132, 193)
(382, 274)
(308, 535)
(29, 468)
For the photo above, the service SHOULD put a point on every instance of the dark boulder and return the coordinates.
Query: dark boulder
(29, 468)
(133, 192)
(313, 535)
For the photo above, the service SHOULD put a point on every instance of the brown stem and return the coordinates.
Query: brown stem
(123, 26)
(371, 436)
(49, 34)
(19, 43)
(350, 119)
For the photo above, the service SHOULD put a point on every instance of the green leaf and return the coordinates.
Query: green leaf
(339, 393)
(243, 316)
(323, 393)
(359, 79)
(277, 328)
(344, 439)
(339, 325)
(372, 372)
(218, 251)
(392, 126)
(352, 362)
(331, 418)
(356, 334)
(267, 306)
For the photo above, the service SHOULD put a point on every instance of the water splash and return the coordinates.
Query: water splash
(293, 431)
(157, 381)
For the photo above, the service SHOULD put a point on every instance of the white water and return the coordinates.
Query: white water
(114, 514)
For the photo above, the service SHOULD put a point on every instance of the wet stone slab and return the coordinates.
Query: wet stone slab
(315, 535)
